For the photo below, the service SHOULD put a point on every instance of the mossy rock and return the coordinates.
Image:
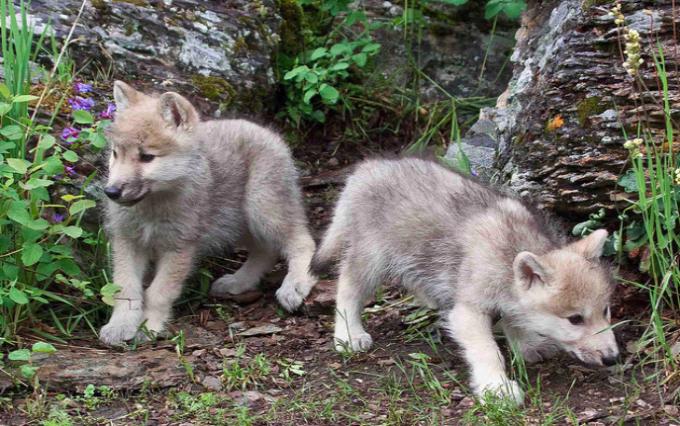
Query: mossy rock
(214, 88)
(292, 26)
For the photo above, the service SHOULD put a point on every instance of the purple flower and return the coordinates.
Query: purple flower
(108, 113)
(57, 217)
(81, 103)
(82, 88)
(70, 134)
(70, 170)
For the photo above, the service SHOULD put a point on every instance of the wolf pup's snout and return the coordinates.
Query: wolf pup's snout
(113, 192)
(610, 360)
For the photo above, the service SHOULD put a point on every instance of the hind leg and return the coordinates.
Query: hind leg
(352, 294)
(297, 284)
(261, 259)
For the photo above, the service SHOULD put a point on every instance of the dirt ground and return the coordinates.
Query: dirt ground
(246, 362)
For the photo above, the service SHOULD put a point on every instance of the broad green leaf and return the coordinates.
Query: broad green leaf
(371, 48)
(108, 293)
(329, 93)
(309, 94)
(23, 98)
(28, 371)
(360, 59)
(12, 132)
(513, 9)
(46, 141)
(70, 197)
(295, 72)
(73, 231)
(629, 182)
(97, 140)
(38, 224)
(70, 156)
(319, 52)
(82, 117)
(311, 77)
(43, 347)
(19, 355)
(31, 253)
(18, 296)
(340, 66)
(81, 205)
(18, 213)
(19, 165)
(33, 183)
(4, 108)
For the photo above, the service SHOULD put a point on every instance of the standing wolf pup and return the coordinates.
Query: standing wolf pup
(472, 253)
(179, 187)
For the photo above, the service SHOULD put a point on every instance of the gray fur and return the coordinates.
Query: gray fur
(455, 244)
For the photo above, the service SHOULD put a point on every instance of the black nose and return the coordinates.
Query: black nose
(610, 360)
(113, 192)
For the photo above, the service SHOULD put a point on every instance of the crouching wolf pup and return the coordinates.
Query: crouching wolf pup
(473, 254)
(179, 187)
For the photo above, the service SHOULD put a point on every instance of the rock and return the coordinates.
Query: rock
(212, 383)
(223, 51)
(558, 136)
(480, 146)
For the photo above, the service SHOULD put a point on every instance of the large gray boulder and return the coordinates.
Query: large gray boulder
(223, 50)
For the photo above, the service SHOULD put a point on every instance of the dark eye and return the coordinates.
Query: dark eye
(576, 319)
(146, 158)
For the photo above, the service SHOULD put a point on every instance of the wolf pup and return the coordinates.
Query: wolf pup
(473, 254)
(179, 187)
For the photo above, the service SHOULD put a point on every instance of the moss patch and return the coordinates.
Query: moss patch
(214, 88)
(589, 107)
(140, 3)
(290, 31)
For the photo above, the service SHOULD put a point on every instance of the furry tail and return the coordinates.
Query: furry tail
(333, 240)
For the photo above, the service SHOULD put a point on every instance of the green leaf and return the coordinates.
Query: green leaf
(4, 91)
(43, 348)
(311, 77)
(340, 66)
(629, 182)
(295, 72)
(360, 59)
(23, 98)
(19, 355)
(19, 165)
(4, 108)
(38, 224)
(108, 292)
(82, 117)
(18, 296)
(12, 132)
(81, 205)
(73, 231)
(97, 140)
(46, 141)
(329, 93)
(33, 183)
(309, 94)
(28, 371)
(70, 156)
(31, 253)
(514, 9)
(319, 52)
(18, 213)
(371, 48)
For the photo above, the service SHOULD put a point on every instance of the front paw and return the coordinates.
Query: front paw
(293, 291)
(230, 284)
(504, 389)
(117, 332)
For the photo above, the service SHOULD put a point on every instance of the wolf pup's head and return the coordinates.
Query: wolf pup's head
(565, 297)
(150, 148)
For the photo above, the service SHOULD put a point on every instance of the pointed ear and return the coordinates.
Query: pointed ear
(591, 246)
(177, 111)
(124, 95)
(529, 270)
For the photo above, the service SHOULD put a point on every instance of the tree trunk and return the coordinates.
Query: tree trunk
(558, 127)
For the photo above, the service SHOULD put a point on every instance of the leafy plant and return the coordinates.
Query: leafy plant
(24, 357)
(319, 78)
